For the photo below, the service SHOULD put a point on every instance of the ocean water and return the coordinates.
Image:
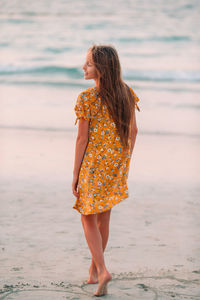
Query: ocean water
(43, 46)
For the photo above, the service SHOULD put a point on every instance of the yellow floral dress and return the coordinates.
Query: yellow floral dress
(104, 169)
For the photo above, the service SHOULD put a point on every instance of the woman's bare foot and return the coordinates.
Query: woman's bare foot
(103, 278)
(93, 278)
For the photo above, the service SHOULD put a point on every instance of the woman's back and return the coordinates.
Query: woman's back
(104, 170)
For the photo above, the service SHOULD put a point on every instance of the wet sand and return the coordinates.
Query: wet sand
(154, 248)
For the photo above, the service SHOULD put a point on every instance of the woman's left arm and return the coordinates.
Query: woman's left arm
(81, 144)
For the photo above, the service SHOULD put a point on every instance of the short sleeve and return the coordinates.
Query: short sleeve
(82, 107)
(135, 98)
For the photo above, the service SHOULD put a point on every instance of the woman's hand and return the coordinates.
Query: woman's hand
(74, 186)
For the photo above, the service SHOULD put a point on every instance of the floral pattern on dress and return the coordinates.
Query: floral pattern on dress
(104, 170)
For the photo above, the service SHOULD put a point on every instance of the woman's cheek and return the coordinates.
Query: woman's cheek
(95, 73)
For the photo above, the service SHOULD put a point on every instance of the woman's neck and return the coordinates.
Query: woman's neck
(97, 84)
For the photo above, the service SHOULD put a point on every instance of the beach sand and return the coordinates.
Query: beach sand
(153, 250)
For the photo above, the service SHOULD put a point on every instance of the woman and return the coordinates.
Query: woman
(106, 136)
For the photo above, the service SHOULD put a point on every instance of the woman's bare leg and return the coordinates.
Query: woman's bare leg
(94, 240)
(103, 220)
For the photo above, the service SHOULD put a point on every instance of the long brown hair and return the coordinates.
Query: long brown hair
(113, 91)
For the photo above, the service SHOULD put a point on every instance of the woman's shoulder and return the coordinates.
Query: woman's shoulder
(89, 99)
(88, 93)
(87, 103)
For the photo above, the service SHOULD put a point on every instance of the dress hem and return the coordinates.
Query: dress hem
(103, 210)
